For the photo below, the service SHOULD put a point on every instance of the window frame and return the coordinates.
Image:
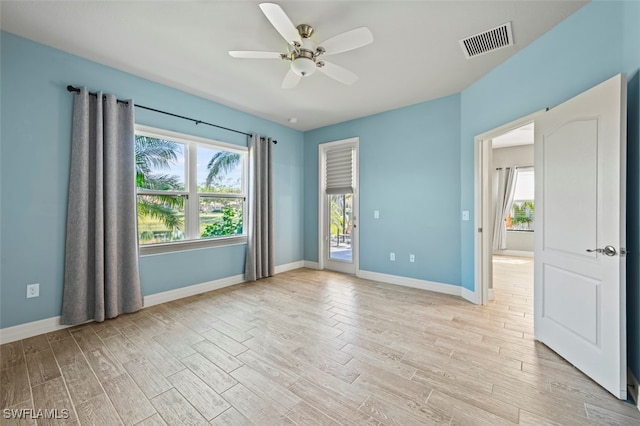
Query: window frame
(192, 195)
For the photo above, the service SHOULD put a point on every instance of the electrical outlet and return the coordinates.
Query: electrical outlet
(412, 258)
(376, 214)
(33, 290)
(465, 215)
(392, 257)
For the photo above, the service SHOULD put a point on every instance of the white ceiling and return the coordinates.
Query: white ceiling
(520, 136)
(415, 55)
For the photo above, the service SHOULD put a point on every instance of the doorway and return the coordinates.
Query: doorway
(338, 206)
(504, 198)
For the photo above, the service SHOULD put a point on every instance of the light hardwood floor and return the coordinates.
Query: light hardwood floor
(310, 348)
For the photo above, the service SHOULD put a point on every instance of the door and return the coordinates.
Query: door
(579, 297)
(338, 206)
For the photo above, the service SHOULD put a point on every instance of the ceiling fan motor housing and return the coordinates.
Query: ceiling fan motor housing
(303, 59)
(305, 30)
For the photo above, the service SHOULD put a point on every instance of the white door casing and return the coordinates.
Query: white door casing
(579, 296)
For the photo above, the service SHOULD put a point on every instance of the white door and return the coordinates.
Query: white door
(339, 206)
(580, 157)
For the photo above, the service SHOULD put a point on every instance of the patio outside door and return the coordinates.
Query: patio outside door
(338, 206)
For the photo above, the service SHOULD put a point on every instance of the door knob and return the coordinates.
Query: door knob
(608, 250)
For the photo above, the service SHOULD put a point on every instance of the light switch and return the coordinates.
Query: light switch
(376, 214)
(465, 215)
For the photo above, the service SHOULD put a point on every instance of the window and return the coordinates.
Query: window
(522, 214)
(189, 189)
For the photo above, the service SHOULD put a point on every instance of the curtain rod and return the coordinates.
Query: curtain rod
(516, 167)
(71, 88)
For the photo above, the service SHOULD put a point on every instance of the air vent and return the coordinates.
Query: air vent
(487, 41)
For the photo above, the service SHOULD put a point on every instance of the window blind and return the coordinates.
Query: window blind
(339, 171)
(525, 188)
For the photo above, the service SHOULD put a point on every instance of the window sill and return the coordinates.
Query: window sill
(520, 230)
(151, 249)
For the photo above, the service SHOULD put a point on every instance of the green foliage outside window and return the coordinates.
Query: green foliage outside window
(229, 224)
(522, 215)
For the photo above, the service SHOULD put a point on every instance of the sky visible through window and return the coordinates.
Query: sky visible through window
(232, 178)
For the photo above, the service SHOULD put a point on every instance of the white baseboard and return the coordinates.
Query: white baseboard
(311, 265)
(192, 290)
(492, 294)
(518, 253)
(633, 387)
(47, 325)
(30, 329)
(468, 295)
(411, 282)
(290, 266)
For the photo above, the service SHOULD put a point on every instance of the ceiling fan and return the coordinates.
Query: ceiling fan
(303, 52)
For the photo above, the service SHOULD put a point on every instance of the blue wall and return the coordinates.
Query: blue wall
(409, 171)
(597, 42)
(35, 155)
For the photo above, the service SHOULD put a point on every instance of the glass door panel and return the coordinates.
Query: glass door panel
(340, 219)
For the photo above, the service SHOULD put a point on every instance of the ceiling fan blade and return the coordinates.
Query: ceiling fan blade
(336, 72)
(253, 54)
(291, 80)
(281, 22)
(347, 40)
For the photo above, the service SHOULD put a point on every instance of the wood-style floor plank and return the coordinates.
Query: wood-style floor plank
(218, 356)
(211, 374)
(129, 401)
(304, 414)
(231, 417)
(81, 381)
(14, 386)
(252, 406)
(52, 395)
(603, 416)
(280, 398)
(209, 403)
(176, 410)
(11, 354)
(310, 348)
(148, 378)
(42, 366)
(97, 411)
(331, 404)
(155, 420)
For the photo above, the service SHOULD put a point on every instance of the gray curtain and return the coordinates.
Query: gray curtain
(504, 198)
(101, 276)
(260, 261)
